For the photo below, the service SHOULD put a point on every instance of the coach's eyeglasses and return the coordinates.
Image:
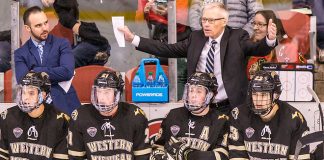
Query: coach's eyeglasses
(259, 25)
(210, 20)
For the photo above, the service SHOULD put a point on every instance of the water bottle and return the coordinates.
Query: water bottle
(137, 81)
(150, 80)
(161, 81)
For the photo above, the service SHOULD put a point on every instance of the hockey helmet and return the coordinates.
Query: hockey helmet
(30, 89)
(106, 90)
(199, 91)
(263, 92)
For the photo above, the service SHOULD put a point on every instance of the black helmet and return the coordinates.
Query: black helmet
(206, 80)
(264, 81)
(39, 80)
(107, 79)
(110, 79)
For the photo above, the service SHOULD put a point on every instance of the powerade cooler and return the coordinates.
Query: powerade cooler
(158, 91)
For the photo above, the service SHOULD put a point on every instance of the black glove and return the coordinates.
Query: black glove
(158, 154)
(179, 150)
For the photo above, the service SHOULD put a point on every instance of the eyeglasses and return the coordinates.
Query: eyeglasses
(259, 24)
(210, 20)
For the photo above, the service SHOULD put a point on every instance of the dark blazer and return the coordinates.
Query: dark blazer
(58, 63)
(235, 46)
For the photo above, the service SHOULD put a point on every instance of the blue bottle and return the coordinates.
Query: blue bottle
(137, 81)
(161, 81)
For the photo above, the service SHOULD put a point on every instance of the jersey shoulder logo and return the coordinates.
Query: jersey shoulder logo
(223, 116)
(139, 111)
(62, 115)
(235, 112)
(299, 115)
(4, 114)
(74, 115)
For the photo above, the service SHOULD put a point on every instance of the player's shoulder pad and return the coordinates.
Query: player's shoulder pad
(132, 109)
(177, 113)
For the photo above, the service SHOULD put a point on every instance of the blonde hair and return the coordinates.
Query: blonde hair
(217, 5)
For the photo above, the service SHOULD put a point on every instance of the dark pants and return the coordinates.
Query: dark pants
(84, 54)
(320, 39)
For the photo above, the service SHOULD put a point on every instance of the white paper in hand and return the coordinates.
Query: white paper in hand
(118, 22)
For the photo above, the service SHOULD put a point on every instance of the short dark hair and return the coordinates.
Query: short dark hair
(29, 11)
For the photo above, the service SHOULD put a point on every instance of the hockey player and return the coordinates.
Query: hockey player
(265, 127)
(195, 131)
(108, 129)
(33, 129)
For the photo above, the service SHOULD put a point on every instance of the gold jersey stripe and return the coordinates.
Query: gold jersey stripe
(239, 148)
(4, 151)
(60, 156)
(143, 152)
(76, 153)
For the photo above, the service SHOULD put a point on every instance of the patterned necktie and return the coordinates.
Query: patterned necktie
(210, 58)
(40, 51)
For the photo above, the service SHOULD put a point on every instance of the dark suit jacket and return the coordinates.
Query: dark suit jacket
(58, 63)
(235, 46)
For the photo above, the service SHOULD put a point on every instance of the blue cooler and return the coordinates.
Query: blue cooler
(158, 91)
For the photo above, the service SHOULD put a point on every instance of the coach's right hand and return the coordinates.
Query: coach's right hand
(129, 36)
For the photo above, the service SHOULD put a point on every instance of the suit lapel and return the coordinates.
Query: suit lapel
(223, 45)
(198, 49)
(47, 48)
(34, 51)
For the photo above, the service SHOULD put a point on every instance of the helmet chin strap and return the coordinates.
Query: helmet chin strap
(267, 117)
(200, 110)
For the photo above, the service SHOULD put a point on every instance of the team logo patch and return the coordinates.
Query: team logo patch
(249, 132)
(32, 133)
(108, 128)
(92, 131)
(266, 133)
(17, 132)
(4, 114)
(175, 130)
(235, 112)
(191, 125)
(74, 115)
